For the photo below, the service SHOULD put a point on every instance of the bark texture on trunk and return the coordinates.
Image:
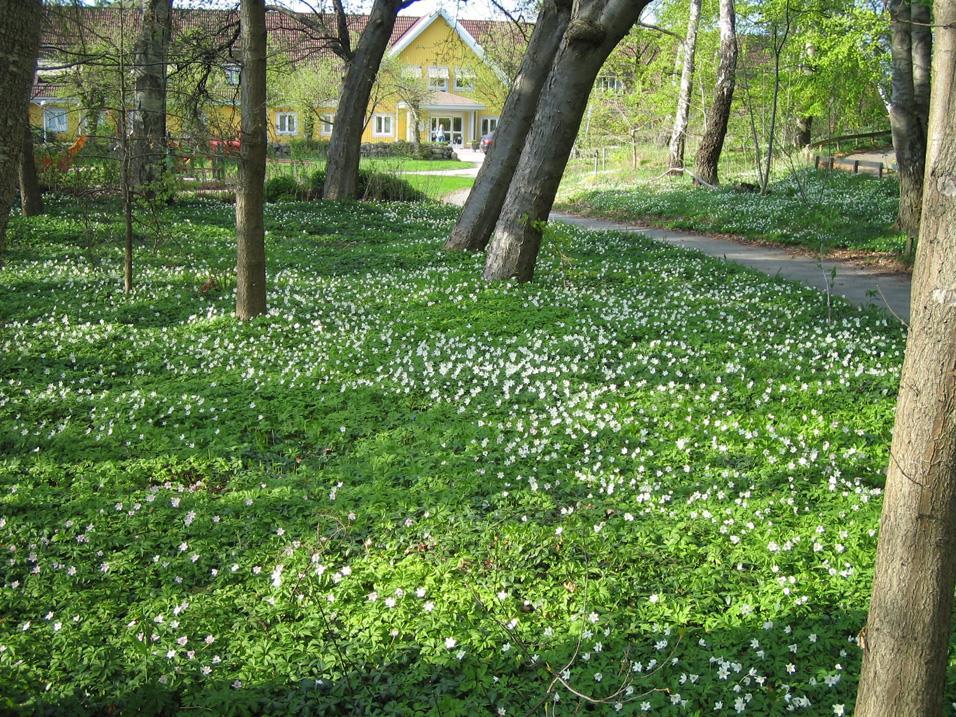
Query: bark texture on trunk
(594, 30)
(803, 135)
(909, 137)
(480, 212)
(19, 43)
(715, 127)
(341, 171)
(922, 38)
(31, 198)
(149, 100)
(907, 632)
(250, 227)
(675, 159)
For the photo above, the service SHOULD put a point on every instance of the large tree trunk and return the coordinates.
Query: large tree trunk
(922, 34)
(480, 213)
(149, 116)
(341, 171)
(907, 632)
(803, 134)
(715, 128)
(909, 137)
(19, 43)
(250, 225)
(594, 30)
(31, 198)
(675, 161)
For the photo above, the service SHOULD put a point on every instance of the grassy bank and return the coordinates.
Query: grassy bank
(816, 211)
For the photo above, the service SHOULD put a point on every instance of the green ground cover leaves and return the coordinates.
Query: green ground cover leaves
(648, 477)
(818, 211)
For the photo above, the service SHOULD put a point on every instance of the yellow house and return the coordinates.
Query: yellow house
(438, 52)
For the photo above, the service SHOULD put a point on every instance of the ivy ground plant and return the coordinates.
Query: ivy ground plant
(647, 482)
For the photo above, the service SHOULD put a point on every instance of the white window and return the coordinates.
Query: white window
(286, 123)
(488, 125)
(232, 75)
(413, 72)
(383, 126)
(325, 124)
(464, 79)
(438, 78)
(54, 120)
(611, 83)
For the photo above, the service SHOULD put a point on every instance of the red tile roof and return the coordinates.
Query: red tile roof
(302, 35)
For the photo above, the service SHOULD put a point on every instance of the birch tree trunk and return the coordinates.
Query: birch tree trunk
(906, 639)
(341, 172)
(480, 212)
(909, 138)
(149, 99)
(19, 43)
(250, 225)
(31, 198)
(715, 127)
(594, 30)
(675, 160)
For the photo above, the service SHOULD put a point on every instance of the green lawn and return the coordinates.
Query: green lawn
(437, 187)
(648, 477)
(818, 211)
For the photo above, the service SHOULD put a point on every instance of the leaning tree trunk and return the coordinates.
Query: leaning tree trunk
(592, 33)
(909, 139)
(341, 171)
(715, 128)
(31, 198)
(149, 117)
(250, 224)
(19, 43)
(675, 161)
(480, 212)
(907, 632)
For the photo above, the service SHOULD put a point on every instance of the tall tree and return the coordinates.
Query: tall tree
(679, 133)
(906, 639)
(480, 212)
(341, 172)
(250, 223)
(149, 103)
(715, 127)
(910, 49)
(19, 44)
(595, 28)
(31, 198)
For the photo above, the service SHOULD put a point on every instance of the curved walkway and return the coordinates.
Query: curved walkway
(857, 284)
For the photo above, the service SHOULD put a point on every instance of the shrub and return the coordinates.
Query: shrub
(372, 186)
(381, 187)
(282, 189)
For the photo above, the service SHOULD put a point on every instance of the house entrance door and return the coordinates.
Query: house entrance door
(448, 129)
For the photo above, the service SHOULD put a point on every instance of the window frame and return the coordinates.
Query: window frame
(280, 116)
(391, 124)
(233, 70)
(325, 124)
(611, 83)
(465, 73)
(61, 114)
(437, 75)
(482, 125)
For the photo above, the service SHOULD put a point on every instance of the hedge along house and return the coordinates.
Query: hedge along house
(450, 88)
